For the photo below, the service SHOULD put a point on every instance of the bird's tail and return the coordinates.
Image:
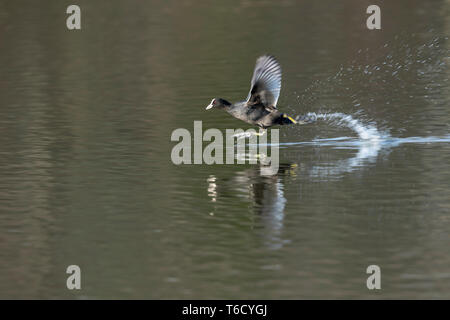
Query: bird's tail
(300, 119)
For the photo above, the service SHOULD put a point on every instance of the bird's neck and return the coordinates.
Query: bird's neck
(225, 103)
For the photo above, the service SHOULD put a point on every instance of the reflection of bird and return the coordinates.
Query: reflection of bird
(269, 201)
(260, 108)
(265, 193)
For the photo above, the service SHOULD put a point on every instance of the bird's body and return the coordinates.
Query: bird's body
(256, 114)
(260, 107)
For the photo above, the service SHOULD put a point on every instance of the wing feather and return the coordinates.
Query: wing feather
(266, 82)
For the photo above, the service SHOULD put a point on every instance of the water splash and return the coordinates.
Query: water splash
(367, 152)
(405, 71)
(364, 131)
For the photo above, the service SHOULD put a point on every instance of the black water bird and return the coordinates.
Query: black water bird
(260, 107)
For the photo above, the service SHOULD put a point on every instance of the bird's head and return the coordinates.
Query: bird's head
(218, 103)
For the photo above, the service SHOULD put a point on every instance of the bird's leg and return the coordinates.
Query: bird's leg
(249, 134)
(261, 132)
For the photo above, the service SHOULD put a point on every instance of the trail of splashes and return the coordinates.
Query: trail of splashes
(364, 131)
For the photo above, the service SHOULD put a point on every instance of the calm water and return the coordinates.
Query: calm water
(86, 176)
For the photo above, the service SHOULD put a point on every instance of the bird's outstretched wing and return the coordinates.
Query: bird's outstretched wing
(266, 82)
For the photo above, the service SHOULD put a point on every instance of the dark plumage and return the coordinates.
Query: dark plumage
(260, 107)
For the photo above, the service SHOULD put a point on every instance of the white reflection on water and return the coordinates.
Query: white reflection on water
(266, 195)
(212, 188)
(367, 152)
(368, 144)
(266, 192)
